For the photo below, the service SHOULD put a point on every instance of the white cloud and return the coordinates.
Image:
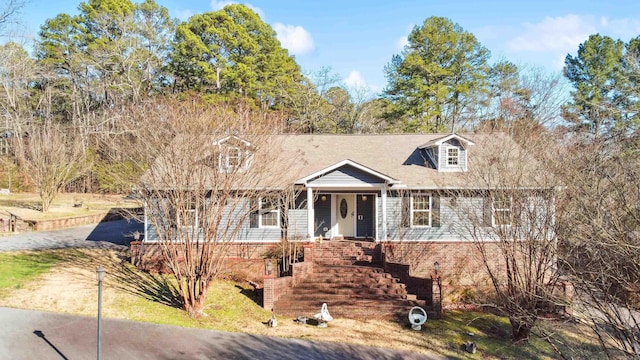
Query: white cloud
(184, 15)
(402, 42)
(550, 40)
(553, 34)
(624, 28)
(218, 5)
(355, 79)
(358, 87)
(294, 38)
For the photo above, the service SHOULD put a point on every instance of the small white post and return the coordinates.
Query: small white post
(383, 195)
(310, 214)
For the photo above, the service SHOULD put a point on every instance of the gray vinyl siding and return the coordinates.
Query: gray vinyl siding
(451, 225)
(298, 223)
(231, 220)
(150, 233)
(346, 176)
(297, 217)
(442, 154)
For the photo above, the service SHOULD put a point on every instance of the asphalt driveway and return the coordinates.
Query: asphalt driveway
(26, 334)
(110, 234)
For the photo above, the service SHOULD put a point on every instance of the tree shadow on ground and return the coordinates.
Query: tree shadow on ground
(155, 287)
(123, 275)
(24, 204)
(254, 294)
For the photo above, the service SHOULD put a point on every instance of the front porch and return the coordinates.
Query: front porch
(347, 201)
(345, 215)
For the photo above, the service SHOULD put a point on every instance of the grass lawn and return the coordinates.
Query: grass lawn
(64, 281)
(18, 269)
(27, 205)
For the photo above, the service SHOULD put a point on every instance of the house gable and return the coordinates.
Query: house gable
(346, 174)
(448, 153)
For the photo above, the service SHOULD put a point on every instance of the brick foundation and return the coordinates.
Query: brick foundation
(463, 277)
(243, 261)
(461, 268)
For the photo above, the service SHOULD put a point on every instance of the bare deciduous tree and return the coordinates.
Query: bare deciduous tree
(599, 222)
(209, 176)
(50, 156)
(9, 10)
(508, 213)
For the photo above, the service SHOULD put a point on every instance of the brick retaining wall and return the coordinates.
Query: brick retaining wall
(461, 266)
(25, 225)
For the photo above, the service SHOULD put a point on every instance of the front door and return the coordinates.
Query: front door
(366, 211)
(345, 211)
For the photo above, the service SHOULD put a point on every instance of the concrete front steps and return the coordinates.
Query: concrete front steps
(350, 291)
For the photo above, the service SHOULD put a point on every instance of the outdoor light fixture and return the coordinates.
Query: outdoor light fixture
(323, 197)
(100, 277)
(364, 197)
(269, 267)
(436, 267)
(100, 274)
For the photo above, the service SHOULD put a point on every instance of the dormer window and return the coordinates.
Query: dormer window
(447, 153)
(453, 156)
(233, 154)
(233, 158)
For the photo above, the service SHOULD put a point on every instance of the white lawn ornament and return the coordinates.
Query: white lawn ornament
(417, 317)
(273, 322)
(323, 316)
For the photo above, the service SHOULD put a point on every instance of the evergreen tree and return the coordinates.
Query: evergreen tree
(435, 82)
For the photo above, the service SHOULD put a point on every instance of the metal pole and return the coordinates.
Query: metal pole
(99, 319)
(100, 276)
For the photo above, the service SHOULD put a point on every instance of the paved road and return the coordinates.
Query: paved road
(26, 334)
(114, 234)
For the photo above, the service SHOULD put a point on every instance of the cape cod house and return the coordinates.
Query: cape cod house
(409, 199)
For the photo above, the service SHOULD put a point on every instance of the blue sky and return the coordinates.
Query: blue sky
(356, 39)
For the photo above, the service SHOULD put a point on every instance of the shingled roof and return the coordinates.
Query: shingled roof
(397, 156)
(397, 159)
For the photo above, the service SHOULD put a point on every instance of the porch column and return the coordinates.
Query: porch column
(310, 213)
(383, 195)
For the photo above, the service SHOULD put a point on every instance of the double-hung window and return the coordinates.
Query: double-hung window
(453, 156)
(502, 210)
(269, 213)
(233, 159)
(421, 210)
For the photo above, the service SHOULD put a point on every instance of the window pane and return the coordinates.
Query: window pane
(421, 202)
(421, 218)
(268, 203)
(233, 157)
(270, 219)
(503, 217)
(189, 218)
(452, 156)
(502, 202)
